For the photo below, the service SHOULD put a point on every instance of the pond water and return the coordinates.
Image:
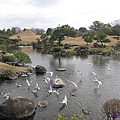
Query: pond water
(85, 96)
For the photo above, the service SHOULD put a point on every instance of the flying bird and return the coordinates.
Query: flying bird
(6, 96)
(94, 73)
(56, 91)
(37, 86)
(18, 85)
(73, 83)
(99, 83)
(51, 73)
(64, 101)
(50, 90)
(28, 83)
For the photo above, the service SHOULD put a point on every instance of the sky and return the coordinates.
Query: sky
(45, 14)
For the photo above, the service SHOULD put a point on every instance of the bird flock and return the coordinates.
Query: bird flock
(47, 80)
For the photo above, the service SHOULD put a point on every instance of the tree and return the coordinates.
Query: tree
(44, 39)
(22, 58)
(97, 26)
(112, 108)
(101, 37)
(18, 37)
(49, 31)
(87, 38)
(82, 29)
(60, 33)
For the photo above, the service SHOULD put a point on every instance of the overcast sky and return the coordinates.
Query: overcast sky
(50, 13)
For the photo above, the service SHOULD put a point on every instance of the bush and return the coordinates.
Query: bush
(8, 57)
(3, 47)
(22, 58)
(73, 117)
(96, 45)
(56, 49)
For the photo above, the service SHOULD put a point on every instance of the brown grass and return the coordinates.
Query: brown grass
(13, 68)
(80, 41)
(28, 36)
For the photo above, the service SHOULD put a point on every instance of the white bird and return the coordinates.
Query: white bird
(109, 68)
(56, 91)
(28, 83)
(99, 83)
(45, 79)
(7, 96)
(35, 92)
(64, 100)
(73, 83)
(37, 86)
(48, 79)
(51, 73)
(18, 85)
(94, 73)
(79, 72)
(85, 112)
(96, 80)
(50, 90)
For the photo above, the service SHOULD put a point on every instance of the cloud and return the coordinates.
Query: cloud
(50, 13)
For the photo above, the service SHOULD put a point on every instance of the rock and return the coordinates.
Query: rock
(57, 83)
(40, 69)
(17, 108)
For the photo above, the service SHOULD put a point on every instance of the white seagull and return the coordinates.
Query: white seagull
(18, 85)
(95, 74)
(37, 86)
(96, 80)
(73, 83)
(50, 90)
(28, 83)
(99, 83)
(45, 79)
(109, 68)
(56, 91)
(51, 73)
(64, 100)
(7, 96)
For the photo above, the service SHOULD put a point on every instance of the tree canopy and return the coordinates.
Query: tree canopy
(101, 37)
(22, 58)
(60, 33)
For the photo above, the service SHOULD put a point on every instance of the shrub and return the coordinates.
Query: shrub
(56, 49)
(74, 117)
(8, 57)
(22, 58)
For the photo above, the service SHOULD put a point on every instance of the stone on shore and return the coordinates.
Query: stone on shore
(40, 69)
(17, 108)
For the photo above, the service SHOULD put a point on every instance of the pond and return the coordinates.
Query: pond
(107, 70)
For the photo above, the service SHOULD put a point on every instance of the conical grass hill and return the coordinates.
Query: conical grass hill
(26, 37)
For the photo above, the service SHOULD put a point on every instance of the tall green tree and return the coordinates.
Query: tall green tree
(60, 33)
(97, 26)
(44, 39)
(49, 31)
(101, 37)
